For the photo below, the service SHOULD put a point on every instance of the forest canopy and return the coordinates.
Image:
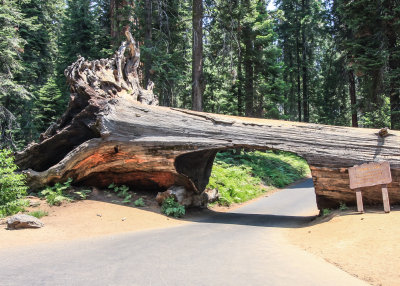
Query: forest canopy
(330, 62)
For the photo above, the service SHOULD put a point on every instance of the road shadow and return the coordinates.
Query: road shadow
(260, 220)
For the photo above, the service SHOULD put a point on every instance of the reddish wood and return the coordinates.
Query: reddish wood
(112, 132)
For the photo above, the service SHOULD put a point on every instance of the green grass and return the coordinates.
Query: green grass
(240, 178)
(39, 213)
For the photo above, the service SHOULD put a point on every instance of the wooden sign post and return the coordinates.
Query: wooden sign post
(368, 175)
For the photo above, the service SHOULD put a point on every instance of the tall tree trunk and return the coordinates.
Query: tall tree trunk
(239, 67)
(120, 17)
(248, 64)
(148, 42)
(353, 99)
(249, 72)
(306, 115)
(198, 84)
(240, 82)
(298, 75)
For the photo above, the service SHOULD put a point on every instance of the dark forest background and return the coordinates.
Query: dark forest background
(330, 62)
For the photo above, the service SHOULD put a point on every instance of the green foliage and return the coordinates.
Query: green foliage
(83, 194)
(234, 183)
(240, 178)
(39, 213)
(122, 192)
(172, 208)
(326, 212)
(343, 207)
(168, 55)
(139, 202)
(14, 96)
(12, 186)
(49, 104)
(83, 32)
(56, 195)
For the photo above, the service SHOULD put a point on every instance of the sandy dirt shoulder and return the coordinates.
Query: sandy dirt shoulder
(84, 219)
(99, 216)
(364, 245)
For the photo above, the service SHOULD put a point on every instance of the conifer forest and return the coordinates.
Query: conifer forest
(333, 62)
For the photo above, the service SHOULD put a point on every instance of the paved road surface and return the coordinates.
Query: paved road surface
(240, 248)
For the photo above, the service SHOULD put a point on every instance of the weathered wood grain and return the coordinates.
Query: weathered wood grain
(107, 135)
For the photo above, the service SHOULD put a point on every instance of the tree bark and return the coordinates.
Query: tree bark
(198, 84)
(249, 73)
(248, 63)
(112, 133)
(353, 99)
(239, 69)
(306, 115)
(120, 17)
(298, 65)
(148, 41)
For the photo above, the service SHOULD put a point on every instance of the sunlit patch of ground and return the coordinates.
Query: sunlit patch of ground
(365, 245)
(88, 218)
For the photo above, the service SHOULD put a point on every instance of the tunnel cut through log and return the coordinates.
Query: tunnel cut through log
(113, 131)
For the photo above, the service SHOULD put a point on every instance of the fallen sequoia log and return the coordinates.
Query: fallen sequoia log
(113, 132)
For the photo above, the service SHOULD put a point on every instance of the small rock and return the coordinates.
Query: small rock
(95, 191)
(99, 215)
(34, 204)
(123, 219)
(212, 195)
(31, 197)
(183, 197)
(23, 221)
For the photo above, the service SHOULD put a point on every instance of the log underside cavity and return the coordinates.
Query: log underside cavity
(113, 132)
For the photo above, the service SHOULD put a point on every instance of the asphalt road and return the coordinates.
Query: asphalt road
(244, 247)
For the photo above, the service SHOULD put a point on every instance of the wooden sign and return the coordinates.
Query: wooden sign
(368, 175)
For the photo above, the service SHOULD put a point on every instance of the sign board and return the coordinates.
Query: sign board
(368, 175)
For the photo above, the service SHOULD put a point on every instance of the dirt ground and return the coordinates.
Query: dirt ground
(88, 218)
(99, 215)
(364, 245)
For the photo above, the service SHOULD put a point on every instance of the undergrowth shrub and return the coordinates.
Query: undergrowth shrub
(172, 208)
(38, 213)
(242, 177)
(56, 195)
(122, 192)
(12, 186)
(139, 202)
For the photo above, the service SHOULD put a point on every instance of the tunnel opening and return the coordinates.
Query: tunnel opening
(241, 174)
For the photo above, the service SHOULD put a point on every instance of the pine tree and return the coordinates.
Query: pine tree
(391, 26)
(83, 32)
(41, 48)
(166, 51)
(49, 104)
(14, 97)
